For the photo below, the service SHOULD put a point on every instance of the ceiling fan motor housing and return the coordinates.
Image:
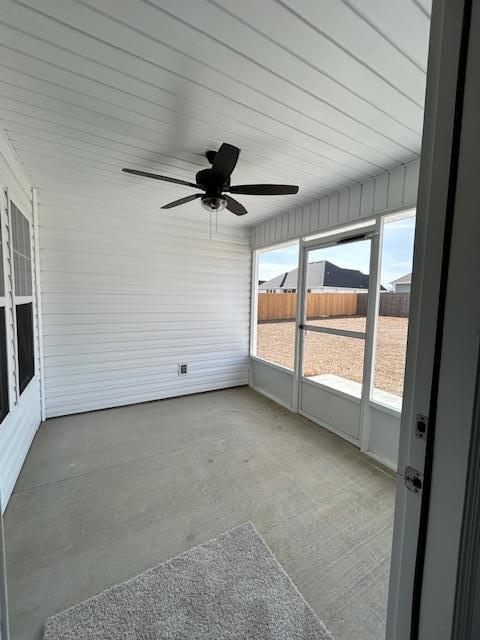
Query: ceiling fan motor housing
(211, 182)
(210, 155)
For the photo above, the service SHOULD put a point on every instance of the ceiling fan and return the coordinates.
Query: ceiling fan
(215, 182)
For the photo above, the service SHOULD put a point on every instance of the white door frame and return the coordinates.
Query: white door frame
(371, 230)
(432, 240)
(455, 407)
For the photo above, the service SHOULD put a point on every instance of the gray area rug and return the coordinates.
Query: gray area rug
(229, 587)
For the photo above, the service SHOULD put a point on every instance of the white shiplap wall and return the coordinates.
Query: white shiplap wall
(20, 425)
(129, 292)
(390, 191)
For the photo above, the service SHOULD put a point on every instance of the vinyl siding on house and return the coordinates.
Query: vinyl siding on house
(129, 292)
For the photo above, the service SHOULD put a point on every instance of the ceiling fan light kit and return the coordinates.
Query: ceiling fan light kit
(213, 204)
(214, 182)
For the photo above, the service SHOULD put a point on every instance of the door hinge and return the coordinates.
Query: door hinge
(413, 480)
(421, 426)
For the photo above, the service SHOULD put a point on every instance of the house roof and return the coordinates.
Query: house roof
(320, 274)
(406, 279)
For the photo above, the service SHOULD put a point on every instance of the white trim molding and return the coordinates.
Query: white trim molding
(38, 300)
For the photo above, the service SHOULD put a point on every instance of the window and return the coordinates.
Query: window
(22, 254)
(277, 305)
(26, 361)
(23, 286)
(395, 277)
(4, 406)
(336, 294)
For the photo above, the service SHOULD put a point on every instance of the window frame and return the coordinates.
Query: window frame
(374, 226)
(4, 305)
(24, 380)
(385, 219)
(256, 253)
(18, 300)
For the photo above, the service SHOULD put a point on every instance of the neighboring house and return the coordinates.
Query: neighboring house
(322, 276)
(403, 284)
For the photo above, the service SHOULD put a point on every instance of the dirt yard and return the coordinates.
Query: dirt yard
(339, 355)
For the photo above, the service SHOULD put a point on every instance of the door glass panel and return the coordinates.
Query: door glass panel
(337, 286)
(336, 361)
(392, 327)
(277, 305)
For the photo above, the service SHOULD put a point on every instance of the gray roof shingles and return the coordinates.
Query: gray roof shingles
(320, 274)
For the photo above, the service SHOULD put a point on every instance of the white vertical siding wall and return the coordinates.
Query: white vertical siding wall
(20, 425)
(128, 293)
(391, 191)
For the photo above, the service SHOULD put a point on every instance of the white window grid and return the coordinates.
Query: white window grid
(17, 278)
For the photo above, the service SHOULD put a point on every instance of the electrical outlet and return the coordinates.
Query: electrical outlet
(182, 369)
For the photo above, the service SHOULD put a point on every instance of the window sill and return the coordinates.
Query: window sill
(272, 364)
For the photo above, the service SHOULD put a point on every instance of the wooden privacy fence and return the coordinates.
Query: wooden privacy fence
(283, 306)
(320, 305)
(277, 306)
(391, 304)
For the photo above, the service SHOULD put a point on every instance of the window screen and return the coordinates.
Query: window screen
(25, 344)
(3, 367)
(276, 305)
(22, 254)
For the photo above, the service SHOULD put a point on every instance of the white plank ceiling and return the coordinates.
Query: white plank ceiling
(319, 93)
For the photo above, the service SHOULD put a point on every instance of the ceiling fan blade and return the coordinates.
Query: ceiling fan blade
(234, 206)
(264, 189)
(144, 174)
(225, 160)
(177, 203)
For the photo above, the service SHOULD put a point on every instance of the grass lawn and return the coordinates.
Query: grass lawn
(339, 355)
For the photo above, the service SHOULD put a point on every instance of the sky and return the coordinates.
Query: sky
(396, 259)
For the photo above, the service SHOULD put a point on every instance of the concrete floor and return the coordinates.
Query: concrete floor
(106, 495)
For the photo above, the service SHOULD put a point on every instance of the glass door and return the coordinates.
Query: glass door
(333, 333)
